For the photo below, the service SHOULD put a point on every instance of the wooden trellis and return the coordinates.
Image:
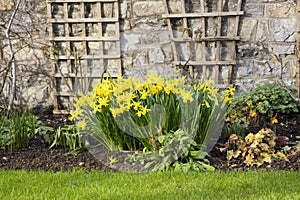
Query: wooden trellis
(85, 40)
(205, 39)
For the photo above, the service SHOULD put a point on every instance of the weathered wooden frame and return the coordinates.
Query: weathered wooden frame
(78, 71)
(218, 39)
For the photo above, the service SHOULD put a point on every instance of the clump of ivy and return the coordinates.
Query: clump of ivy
(265, 102)
(254, 149)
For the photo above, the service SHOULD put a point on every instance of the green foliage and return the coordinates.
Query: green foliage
(264, 101)
(15, 131)
(178, 152)
(255, 149)
(67, 136)
(231, 129)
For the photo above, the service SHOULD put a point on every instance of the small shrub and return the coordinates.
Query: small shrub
(264, 101)
(255, 149)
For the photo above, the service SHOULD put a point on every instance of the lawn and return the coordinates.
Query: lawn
(159, 185)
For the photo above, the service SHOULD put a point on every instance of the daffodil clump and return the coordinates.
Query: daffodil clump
(123, 113)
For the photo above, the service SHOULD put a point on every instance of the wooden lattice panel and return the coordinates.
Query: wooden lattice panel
(205, 41)
(85, 39)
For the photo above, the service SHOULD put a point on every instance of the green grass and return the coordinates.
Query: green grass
(168, 185)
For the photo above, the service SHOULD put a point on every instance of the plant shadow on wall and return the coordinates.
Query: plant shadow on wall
(156, 124)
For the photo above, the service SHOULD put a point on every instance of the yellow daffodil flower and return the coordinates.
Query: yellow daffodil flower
(136, 105)
(81, 124)
(252, 113)
(274, 120)
(144, 94)
(139, 113)
(145, 110)
(167, 90)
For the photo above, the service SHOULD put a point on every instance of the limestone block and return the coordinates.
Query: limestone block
(283, 30)
(92, 29)
(110, 48)
(149, 23)
(229, 27)
(292, 65)
(127, 60)
(6, 5)
(254, 10)
(156, 56)
(167, 49)
(148, 8)
(75, 29)
(93, 48)
(284, 9)
(125, 25)
(197, 51)
(125, 9)
(288, 68)
(36, 94)
(109, 29)
(129, 41)
(243, 85)
(253, 50)
(77, 47)
(175, 6)
(263, 32)
(162, 70)
(108, 10)
(224, 70)
(140, 58)
(226, 51)
(263, 69)
(182, 51)
(112, 66)
(74, 10)
(155, 38)
(244, 68)
(280, 49)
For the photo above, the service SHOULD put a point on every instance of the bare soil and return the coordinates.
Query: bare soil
(37, 155)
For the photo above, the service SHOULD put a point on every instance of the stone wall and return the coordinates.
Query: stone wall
(29, 37)
(267, 32)
(267, 48)
(265, 52)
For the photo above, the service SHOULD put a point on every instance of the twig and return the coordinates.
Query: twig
(13, 63)
(285, 87)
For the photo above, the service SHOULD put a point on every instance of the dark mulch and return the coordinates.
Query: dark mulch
(38, 156)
